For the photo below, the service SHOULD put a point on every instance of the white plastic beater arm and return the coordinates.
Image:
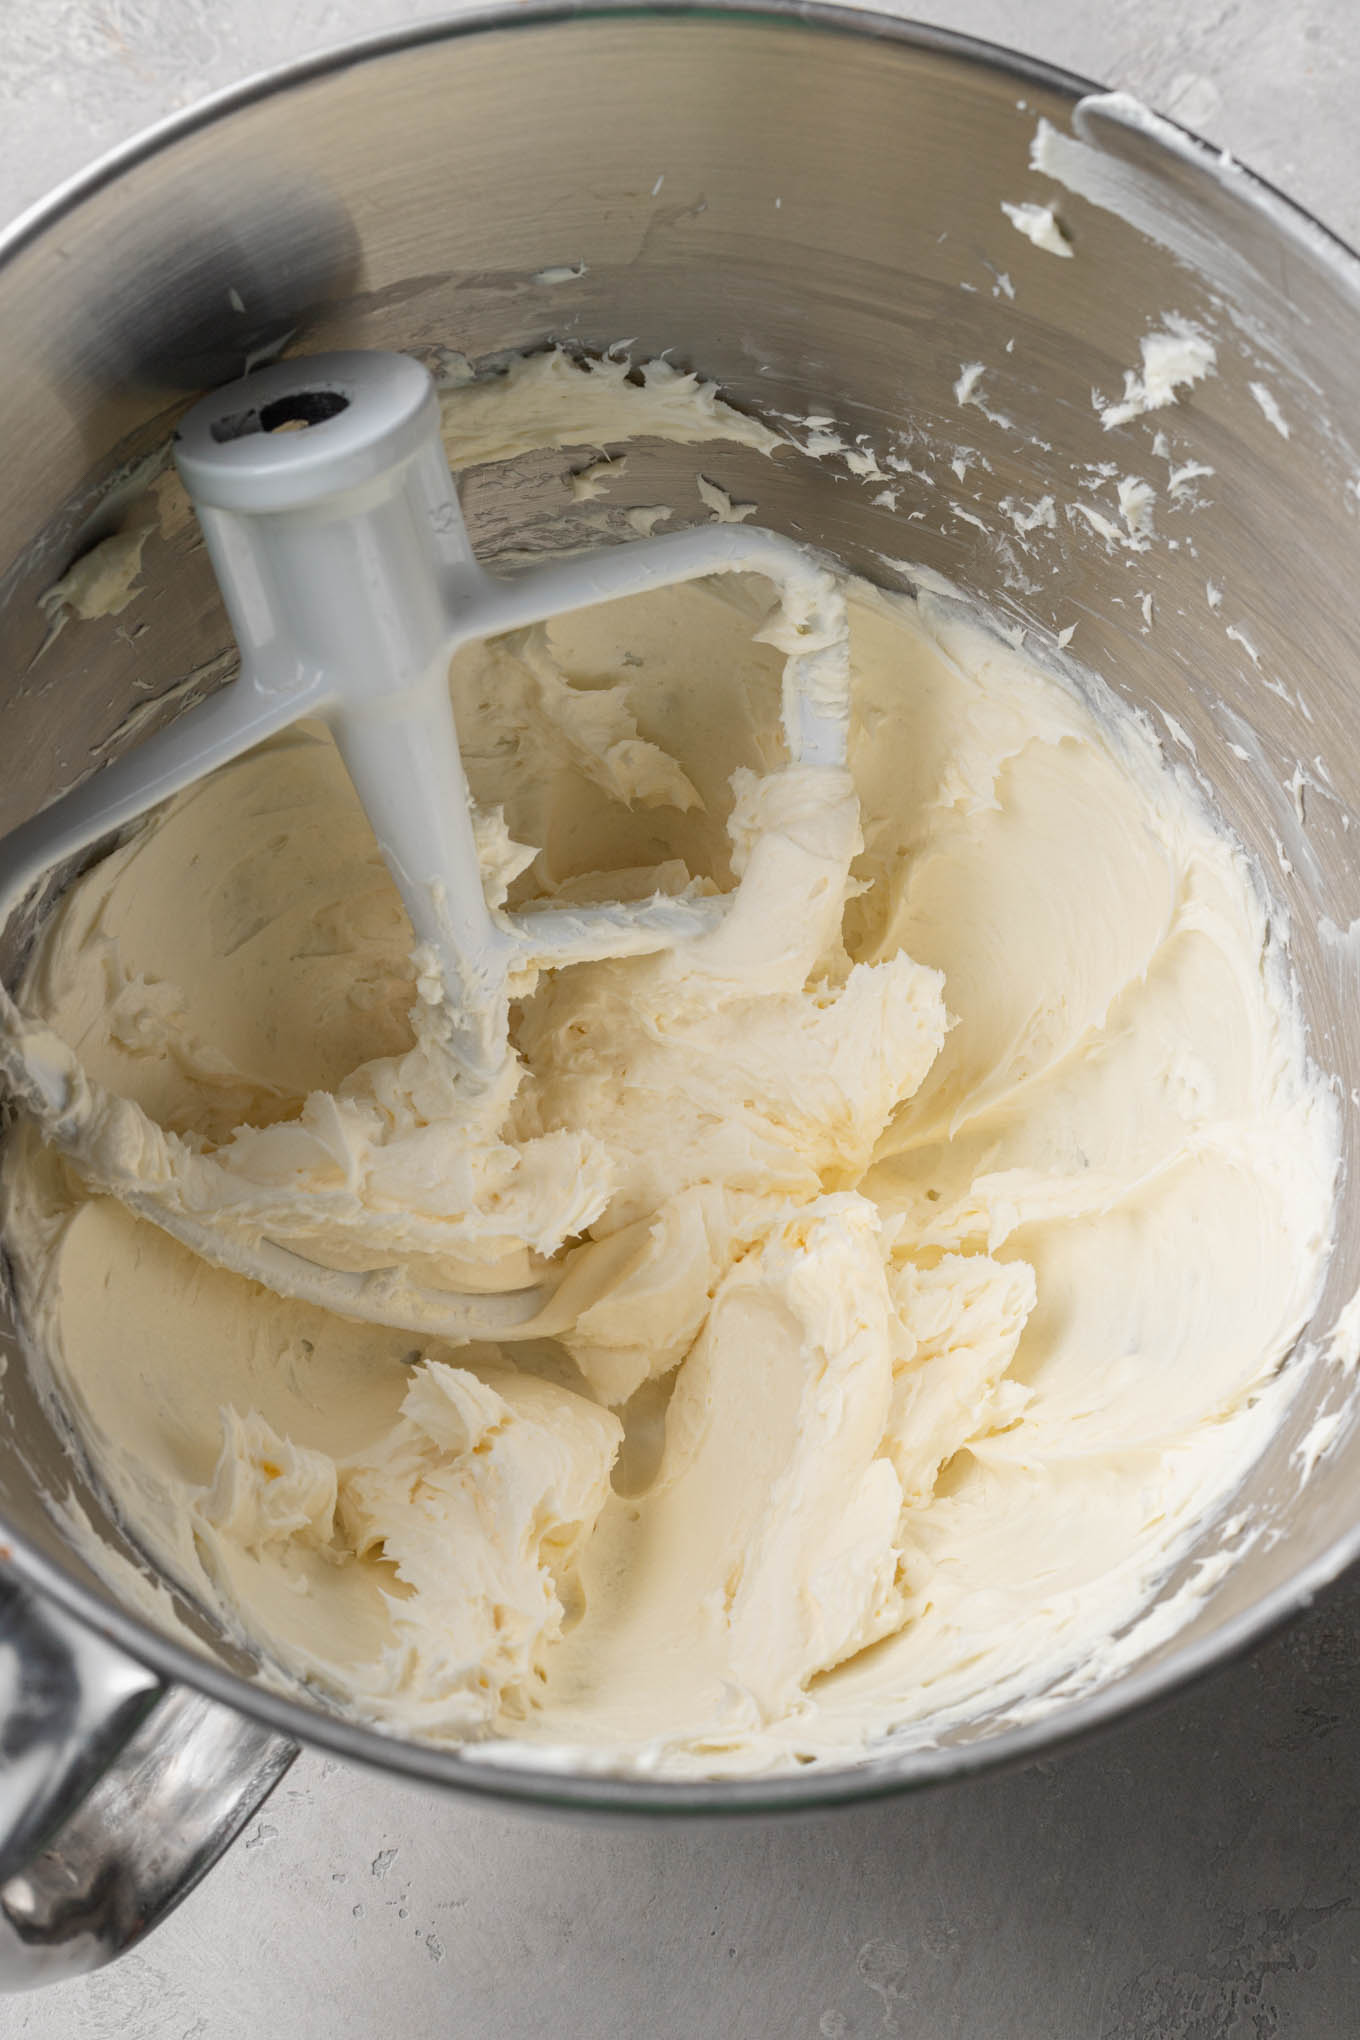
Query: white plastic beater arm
(611, 573)
(225, 726)
(562, 935)
(382, 1296)
(817, 720)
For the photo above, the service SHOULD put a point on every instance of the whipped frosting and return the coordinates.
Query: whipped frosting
(926, 1234)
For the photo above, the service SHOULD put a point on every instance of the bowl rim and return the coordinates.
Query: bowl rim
(458, 1767)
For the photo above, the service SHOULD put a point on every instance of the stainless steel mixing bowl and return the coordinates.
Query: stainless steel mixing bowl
(804, 203)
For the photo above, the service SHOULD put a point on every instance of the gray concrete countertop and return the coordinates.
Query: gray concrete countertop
(1192, 1876)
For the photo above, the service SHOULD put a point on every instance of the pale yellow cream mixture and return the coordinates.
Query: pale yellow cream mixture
(931, 1244)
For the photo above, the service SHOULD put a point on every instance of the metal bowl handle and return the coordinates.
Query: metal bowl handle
(117, 1792)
